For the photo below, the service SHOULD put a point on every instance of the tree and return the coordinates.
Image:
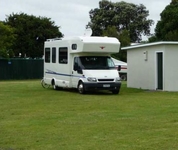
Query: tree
(123, 37)
(7, 39)
(31, 33)
(122, 15)
(167, 29)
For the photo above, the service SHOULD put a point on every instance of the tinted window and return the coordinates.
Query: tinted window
(53, 55)
(74, 46)
(96, 62)
(47, 55)
(63, 57)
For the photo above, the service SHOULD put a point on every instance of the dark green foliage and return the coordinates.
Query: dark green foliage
(166, 28)
(122, 15)
(31, 33)
(153, 38)
(7, 38)
(123, 37)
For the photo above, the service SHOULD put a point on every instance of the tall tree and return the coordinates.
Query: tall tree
(31, 33)
(122, 15)
(123, 37)
(7, 38)
(167, 29)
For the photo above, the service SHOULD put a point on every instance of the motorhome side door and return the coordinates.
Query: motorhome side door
(76, 72)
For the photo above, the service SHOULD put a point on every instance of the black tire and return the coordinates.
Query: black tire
(54, 86)
(44, 85)
(124, 77)
(115, 91)
(81, 88)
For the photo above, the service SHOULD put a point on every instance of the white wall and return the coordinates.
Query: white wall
(141, 73)
(171, 68)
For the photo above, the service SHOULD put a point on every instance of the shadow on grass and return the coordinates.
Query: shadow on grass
(124, 90)
(73, 90)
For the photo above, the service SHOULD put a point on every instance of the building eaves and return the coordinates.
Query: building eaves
(149, 44)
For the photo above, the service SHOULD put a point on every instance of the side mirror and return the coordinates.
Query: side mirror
(119, 68)
(80, 71)
(76, 67)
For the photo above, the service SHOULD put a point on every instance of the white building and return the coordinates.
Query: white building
(153, 66)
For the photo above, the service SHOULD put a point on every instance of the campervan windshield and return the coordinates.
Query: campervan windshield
(96, 62)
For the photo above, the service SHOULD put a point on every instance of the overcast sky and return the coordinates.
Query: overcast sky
(72, 15)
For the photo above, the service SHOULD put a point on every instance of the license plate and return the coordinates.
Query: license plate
(106, 85)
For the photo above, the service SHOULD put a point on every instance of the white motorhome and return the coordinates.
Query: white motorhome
(81, 62)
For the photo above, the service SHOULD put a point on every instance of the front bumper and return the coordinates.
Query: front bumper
(102, 86)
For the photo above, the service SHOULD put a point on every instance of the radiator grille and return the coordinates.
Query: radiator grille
(105, 80)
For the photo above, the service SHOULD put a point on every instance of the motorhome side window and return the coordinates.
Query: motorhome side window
(47, 55)
(53, 55)
(74, 46)
(63, 55)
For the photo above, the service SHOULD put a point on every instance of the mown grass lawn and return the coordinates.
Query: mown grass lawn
(34, 118)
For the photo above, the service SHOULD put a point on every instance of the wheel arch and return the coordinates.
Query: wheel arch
(80, 80)
(53, 81)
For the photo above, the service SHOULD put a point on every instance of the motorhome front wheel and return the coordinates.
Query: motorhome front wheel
(81, 89)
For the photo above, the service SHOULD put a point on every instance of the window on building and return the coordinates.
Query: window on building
(63, 55)
(53, 55)
(47, 55)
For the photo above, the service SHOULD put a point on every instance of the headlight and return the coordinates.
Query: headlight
(91, 79)
(118, 79)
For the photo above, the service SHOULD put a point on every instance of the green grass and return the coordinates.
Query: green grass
(34, 118)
